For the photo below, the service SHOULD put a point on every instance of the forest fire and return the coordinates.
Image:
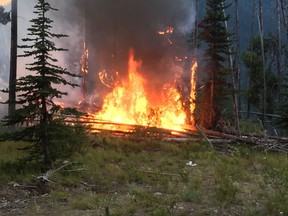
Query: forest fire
(128, 103)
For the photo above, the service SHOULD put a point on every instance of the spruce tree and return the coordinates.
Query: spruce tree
(216, 38)
(37, 91)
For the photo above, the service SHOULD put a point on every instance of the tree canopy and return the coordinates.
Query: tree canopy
(214, 35)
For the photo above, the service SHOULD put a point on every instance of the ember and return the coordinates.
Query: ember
(169, 30)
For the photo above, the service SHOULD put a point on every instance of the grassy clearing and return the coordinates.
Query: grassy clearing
(120, 176)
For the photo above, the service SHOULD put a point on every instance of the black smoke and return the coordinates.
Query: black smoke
(112, 27)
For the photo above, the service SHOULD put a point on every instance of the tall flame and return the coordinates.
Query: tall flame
(5, 2)
(128, 103)
(193, 88)
(84, 70)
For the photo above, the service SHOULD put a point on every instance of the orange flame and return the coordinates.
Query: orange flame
(193, 88)
(84, 60)
(128, 103)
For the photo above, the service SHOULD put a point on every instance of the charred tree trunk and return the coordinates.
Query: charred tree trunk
(210, 114)
(260, 22)
(184, 85)
(13, 59)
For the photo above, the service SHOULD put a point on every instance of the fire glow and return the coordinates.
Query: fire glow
(5, 2)
(128, 102)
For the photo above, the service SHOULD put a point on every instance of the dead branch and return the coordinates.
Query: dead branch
(17, 185)
(206, 138)
(267, 143)
(45, 176)
(180, 139)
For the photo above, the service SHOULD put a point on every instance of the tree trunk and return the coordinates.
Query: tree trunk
(235, 102)
(260, 21)
(45, 115)
(185, 86)
(278, 53)
(284, 14)
(13, 59)
(285, 27)
(44, 134)
(237, 59)
(196, 29)
(251, 38)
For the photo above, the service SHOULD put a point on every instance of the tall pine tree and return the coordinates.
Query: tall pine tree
(37, 91)
(216, 38)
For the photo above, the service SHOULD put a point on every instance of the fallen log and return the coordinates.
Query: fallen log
(268, 144)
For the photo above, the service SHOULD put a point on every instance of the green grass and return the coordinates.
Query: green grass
(150, 177)
(250, 127)
(10, 151)
(11, 166)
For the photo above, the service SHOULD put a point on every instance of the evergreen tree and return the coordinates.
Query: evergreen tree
(37, 91)
(215, 36)
(283, 122)
(253, 61)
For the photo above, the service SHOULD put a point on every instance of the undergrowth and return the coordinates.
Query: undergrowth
(129, 176)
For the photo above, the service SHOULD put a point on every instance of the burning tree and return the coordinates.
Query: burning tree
(213, 32)
(37, 91)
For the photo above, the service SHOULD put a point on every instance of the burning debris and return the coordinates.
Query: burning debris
(128, 102)
(149, 92)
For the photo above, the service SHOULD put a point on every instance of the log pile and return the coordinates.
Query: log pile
(265, 142)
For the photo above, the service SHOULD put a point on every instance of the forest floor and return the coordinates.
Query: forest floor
(129, 176)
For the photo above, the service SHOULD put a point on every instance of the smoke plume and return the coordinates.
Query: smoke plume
(110, 28)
